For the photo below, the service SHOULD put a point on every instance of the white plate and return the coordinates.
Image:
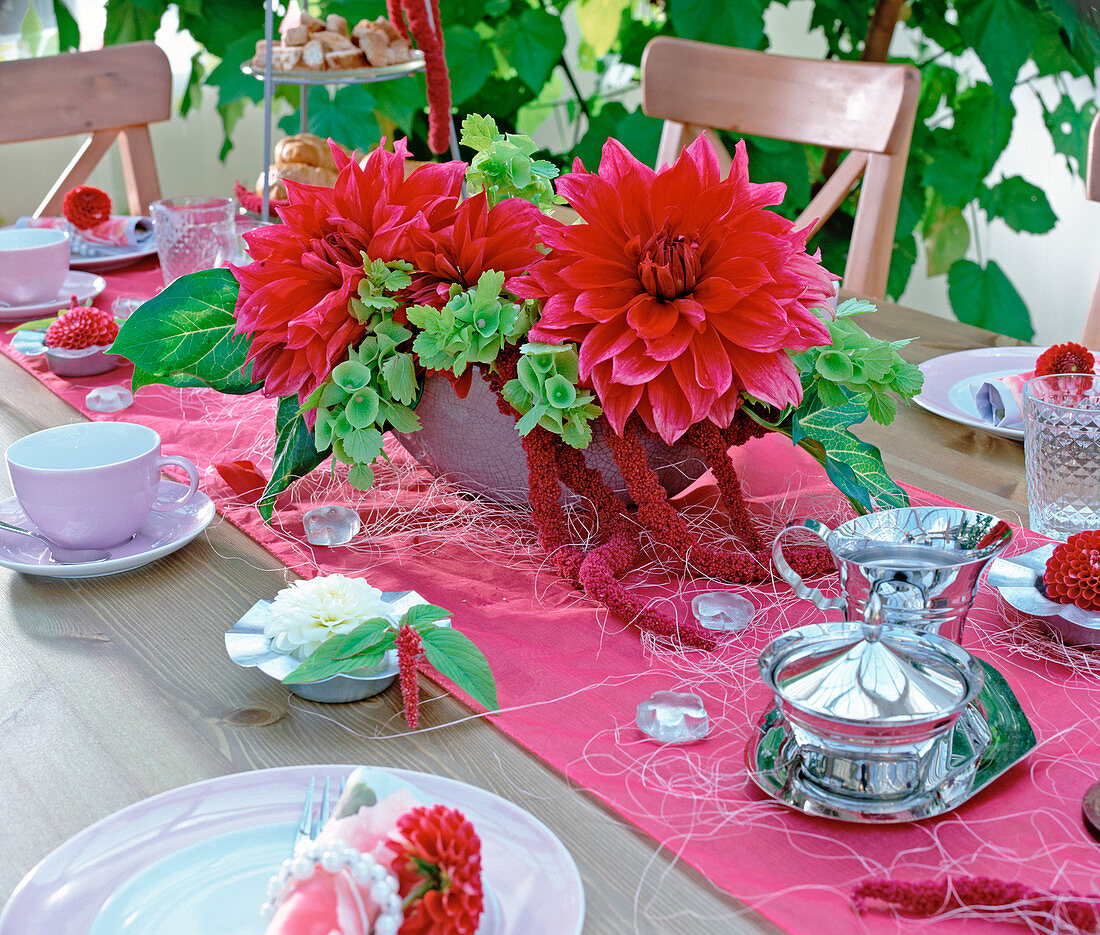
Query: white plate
(950, 381)
(82, 285)
(107, 258)
(172, 863)
(160, 534)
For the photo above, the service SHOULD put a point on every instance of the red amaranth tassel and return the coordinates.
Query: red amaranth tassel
(393, 10)
(410, 645)
(988, 898)
(427, 30)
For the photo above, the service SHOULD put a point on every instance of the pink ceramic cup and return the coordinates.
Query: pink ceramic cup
(91, 485)
(33, 264)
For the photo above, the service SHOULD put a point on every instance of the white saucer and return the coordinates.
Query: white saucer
(161, 534)
(82, 285)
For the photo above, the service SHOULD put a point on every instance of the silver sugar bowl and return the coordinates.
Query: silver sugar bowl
(871, 709)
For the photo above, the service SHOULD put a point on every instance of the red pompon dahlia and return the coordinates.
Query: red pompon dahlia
(293, 299)
(500, 238)
(81, 327)
(438, 867)
(86, 206)
(1072, 575)
(682, 289)
(1064, 358)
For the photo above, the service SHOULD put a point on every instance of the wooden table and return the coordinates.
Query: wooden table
(114, 689)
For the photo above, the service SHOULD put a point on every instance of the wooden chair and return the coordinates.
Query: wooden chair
(1090, 337)
(864, 108)
(114, 93)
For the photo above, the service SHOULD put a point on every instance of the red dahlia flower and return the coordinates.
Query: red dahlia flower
(1072, 574)
(500, 238)
(294, 296)
(438, 867)
(1064, 358)
(682, 289)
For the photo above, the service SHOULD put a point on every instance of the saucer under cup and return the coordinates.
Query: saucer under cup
(91, 485)
(33, 264)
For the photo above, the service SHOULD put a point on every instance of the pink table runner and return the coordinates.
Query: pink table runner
(569, 678)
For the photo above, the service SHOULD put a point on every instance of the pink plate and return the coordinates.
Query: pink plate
(78, 887)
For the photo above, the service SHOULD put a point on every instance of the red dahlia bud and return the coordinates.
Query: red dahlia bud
(86, 206)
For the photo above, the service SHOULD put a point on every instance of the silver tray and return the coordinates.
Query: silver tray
(342, 75)
(995, 712)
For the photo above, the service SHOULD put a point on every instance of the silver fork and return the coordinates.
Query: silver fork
(310, 824)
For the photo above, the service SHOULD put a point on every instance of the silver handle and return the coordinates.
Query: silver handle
(800, 588)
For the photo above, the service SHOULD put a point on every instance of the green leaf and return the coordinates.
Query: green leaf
(361, 477)
(599, 23)
(192, 95)
(128, 21)
(455, 656)
(983, 296)
(1069, 130)
(400, 376)
(469, 62)
(324, 662)
(188, 332)
(854, 466)
(982, 126)
(698, 19)
(68, 31)
(346, 116)
(400, 101)
(368, 635)
(295, 454)
(946, 238)
(1022, 206)
(479, 132)
(423, 615)
(1001, 32)
(532, 43)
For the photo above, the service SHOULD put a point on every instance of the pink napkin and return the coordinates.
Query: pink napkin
(117, 231)
(334, 901)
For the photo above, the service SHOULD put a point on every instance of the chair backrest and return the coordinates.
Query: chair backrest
(114, 93)
(1090, 337)
(864, 108)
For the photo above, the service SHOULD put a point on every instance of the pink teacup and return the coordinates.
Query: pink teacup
(92, 485)
(33, 264)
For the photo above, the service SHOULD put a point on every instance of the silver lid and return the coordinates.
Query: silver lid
(868, 673)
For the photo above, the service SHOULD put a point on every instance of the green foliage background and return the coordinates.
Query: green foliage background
(509, 59)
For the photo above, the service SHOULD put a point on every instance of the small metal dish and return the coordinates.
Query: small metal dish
(87, 362)
(1019, 580)
(249, 647)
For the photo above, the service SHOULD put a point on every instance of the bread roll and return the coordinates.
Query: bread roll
(333, 41)
(305, 148)
(296, 35)
(313, 55)
(343, 59)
